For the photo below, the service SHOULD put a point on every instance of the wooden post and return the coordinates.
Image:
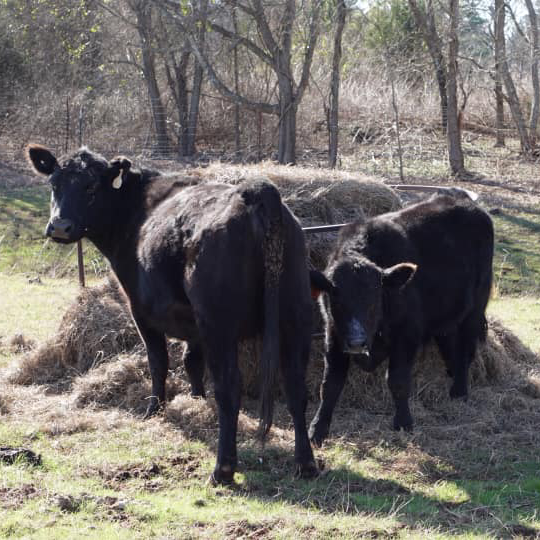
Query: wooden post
(80, 258)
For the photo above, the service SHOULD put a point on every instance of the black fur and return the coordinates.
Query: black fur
(406, 277)
(207, 263)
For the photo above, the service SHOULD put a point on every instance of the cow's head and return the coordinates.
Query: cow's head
(84, 188)
(352, 302)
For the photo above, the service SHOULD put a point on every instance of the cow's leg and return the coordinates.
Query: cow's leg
(158, 362)
(448, 346)
(294, 361)
(336, 367)
(399, 380)
(223, 364)
(195, 364)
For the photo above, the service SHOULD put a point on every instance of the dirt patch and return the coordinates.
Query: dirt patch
(11, 455)
(14, 497)
(245, 529)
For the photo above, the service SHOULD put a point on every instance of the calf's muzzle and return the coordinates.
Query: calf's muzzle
(356, 341)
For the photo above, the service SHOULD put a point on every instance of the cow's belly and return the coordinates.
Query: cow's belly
(173, 319)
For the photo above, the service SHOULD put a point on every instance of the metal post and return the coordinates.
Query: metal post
(80, 258)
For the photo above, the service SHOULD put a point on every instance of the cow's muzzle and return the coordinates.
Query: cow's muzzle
(61, 230)
(356, 342)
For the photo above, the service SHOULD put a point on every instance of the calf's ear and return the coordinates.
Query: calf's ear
(399, 275)
(41, 159)
(119, 166)
(319, 283)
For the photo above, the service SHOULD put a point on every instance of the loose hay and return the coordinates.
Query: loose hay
(315, 196)
(124, 383)
(95, 327)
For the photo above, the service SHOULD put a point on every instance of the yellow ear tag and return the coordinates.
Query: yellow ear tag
(117, 182)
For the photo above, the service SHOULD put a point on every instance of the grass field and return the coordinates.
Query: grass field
(468, 470)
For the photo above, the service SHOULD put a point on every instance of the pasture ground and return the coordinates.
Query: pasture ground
(465, 472)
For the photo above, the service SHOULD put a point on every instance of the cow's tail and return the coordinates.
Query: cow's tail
(270, 214)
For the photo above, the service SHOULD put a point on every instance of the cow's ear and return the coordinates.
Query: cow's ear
(41, 159)
(399, 275)
(319, 283)
(119, 167)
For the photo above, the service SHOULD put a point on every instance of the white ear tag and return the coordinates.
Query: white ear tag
(117, 182)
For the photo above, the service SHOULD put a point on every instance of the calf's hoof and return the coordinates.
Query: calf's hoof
(317, 433)
(404, 422)
(458, 391)
(223, 474)
(307, 471)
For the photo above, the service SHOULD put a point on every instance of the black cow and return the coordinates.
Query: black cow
(397, 280)
(206, 263)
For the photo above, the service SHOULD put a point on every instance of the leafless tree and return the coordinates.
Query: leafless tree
(275, 26)
(425, 20)
(333, 110)
(455, 152)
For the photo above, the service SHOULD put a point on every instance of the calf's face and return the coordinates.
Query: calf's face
(353, 301)
(83, 187)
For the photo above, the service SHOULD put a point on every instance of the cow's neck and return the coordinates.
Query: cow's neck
(140, 195)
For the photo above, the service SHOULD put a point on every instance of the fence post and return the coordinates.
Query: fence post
(80, 258)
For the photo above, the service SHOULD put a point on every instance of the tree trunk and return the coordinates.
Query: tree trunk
(533, 123)
(455, 152)
(237, 135)
(499, 97)
(287, 123)
(426, 24)
(513, 100)
(333, 112)
(198, 76)
(159, 115)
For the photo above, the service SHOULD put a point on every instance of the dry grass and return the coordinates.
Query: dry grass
(96, 327)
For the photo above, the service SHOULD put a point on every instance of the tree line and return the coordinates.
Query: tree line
(266, 57)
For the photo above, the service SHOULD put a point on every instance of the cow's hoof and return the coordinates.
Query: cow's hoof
(222, 475)
(307, 471)
(153, 408)
(317, 434)
(457, 392)
(198, 393)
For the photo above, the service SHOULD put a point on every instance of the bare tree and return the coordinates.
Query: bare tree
(534, 51)
(274, 47)
(140, 18)
(499, 22)
(333, 110)
(512, 96)
(425, 20)
(455, 152)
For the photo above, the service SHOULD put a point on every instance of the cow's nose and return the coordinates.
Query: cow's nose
(356, 342)
(59, 228)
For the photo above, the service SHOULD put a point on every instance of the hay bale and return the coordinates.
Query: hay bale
(315, 196)
(122, 383)
(95, 327)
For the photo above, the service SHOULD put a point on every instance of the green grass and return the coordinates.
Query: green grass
(24, 213)
(126, 478)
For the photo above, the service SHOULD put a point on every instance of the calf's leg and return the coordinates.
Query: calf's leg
(336, 367)
(467, 340)
(399, 380)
